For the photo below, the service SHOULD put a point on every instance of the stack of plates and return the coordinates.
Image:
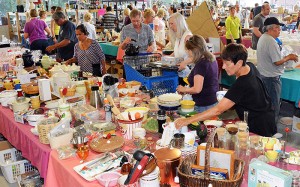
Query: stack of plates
(169, 100)
(188, 150)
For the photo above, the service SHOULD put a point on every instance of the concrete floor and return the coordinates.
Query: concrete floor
(287, 110)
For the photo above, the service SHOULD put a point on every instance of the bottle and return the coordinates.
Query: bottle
(95, 99)
(161, 119)
(107, 109)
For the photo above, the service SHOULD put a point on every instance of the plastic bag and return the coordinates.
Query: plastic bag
(65, 152)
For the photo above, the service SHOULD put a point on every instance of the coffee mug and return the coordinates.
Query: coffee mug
(177, 141)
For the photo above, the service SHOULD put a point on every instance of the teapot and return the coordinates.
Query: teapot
(27, 59)
(132, 50)
(58, 80)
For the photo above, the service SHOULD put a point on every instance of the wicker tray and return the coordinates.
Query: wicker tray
(106, 145)
(188, 180)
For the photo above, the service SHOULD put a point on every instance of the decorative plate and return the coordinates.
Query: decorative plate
(169, 98)
(107, 145)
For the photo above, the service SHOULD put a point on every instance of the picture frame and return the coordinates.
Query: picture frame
(219, 158)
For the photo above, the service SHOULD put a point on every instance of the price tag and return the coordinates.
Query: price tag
(19, 118)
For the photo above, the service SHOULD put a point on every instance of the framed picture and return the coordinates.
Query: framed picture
(219, 158)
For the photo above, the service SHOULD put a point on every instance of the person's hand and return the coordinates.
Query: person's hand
(54, 40)
(68, 62)
(50, 48)
(293, 57)
(150, 49)
(127, 40)
(181, 66)
(181, 122)
(180, 89)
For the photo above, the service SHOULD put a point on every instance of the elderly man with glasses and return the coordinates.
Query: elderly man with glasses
(139, 32)
(66, 38)
(270, 62)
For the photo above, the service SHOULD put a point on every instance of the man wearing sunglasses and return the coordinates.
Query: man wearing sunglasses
(66, 38)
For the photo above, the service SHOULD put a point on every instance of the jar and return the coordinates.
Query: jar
(64, 111)
(81, 89)
(167, 160)
(152, 179)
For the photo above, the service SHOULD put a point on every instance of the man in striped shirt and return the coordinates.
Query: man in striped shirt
(109, 19)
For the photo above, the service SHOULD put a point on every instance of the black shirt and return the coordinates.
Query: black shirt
(249, 94)
(67, 31)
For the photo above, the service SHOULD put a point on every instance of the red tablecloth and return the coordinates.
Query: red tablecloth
(58, 168)
(246, 41)
(20, 136)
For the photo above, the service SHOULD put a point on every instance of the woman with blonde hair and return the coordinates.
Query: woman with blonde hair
(90, 27)
(203, 79)
(127, 20)
(179, 33)
(149, 15)
(159, 27)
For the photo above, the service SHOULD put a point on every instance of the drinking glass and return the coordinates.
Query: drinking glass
(82, 153)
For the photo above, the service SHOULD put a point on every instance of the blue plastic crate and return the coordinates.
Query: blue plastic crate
(159, 85)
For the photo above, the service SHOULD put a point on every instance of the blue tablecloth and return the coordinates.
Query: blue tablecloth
(291, 86)
(109, 49)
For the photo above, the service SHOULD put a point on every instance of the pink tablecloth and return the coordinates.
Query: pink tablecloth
(58, 168)
(20, 136)
(246, 41)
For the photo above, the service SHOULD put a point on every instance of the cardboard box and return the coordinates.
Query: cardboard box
(5, 145)
(263, 174)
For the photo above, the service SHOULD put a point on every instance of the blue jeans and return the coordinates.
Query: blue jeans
(200, 109)
(273, 86)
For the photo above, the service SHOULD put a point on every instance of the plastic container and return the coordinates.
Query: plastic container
(56, 142)
(160, 84)
(10, 167)
(12, 171)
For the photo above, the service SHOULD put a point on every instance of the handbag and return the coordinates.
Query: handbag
(97, 70)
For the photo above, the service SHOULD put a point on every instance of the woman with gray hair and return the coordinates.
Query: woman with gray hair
(203, 79)
(179, 33)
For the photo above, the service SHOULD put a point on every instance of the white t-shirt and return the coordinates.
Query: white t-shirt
(91, 29)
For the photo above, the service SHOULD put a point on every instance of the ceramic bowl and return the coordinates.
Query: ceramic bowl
(21, 106)
(108, 179)
(187, 106)
(34, 118)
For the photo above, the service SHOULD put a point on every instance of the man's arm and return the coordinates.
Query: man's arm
(257, 32)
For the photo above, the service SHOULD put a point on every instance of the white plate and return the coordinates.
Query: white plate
(213, 122)
(286, 121)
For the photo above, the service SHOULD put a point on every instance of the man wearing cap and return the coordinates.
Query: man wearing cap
(258, 23)
(270, 63)
(66, 38)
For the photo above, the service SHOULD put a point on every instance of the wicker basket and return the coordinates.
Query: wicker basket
(188, 180)
(44, 128)
(30, 88)
(70, 92)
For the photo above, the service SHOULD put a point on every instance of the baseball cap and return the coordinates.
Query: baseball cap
(271, 21)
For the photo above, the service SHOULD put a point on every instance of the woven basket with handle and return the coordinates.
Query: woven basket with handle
(188, 180)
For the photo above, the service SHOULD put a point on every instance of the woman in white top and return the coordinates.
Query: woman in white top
(179, 33)
(159, 27)
(90, 27)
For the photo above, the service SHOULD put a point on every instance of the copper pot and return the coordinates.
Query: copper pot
(167, 160)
